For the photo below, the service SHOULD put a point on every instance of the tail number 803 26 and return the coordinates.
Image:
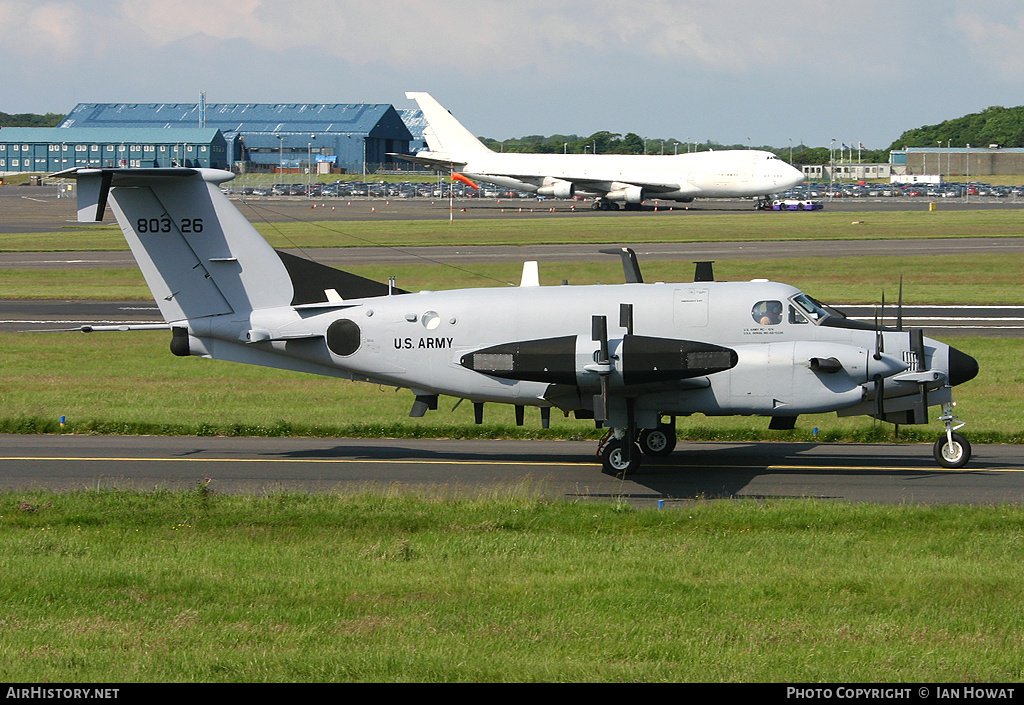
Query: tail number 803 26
(163, 225)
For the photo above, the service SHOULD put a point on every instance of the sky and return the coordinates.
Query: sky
(748, 72)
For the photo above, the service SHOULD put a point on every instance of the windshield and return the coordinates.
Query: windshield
(810, 308)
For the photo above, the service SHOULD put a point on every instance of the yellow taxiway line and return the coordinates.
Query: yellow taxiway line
(412, 461)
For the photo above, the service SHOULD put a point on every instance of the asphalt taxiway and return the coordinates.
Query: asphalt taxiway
(884, 473)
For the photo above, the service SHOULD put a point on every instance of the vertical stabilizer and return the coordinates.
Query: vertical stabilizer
(444, 133)
(199, 255)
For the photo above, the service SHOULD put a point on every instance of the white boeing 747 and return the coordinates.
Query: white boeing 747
(612, 179)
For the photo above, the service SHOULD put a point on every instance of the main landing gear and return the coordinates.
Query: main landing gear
(621, 450)
(603, 204)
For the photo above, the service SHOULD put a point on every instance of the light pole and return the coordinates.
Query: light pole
(309, 167)
(831, 164)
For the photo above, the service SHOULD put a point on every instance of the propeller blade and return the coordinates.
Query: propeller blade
(879, 395)
(899, 307)
(917, 346)
(878, 337)
(629, 433)
(599, 333)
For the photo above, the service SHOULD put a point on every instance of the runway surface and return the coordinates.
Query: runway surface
(885, 473)
(38, 209)
(683, 252)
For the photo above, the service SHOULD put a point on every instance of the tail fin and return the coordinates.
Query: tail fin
(198, 253)
(444, 133)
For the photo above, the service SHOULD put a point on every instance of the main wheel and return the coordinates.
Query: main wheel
(952, 455)
(613, 461)
(658, 441)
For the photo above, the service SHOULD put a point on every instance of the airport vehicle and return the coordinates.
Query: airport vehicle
(629, 356)
(794, 204)
(612, 179)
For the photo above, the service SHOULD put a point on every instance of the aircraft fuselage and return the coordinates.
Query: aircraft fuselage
(465, 344)
(682, 177)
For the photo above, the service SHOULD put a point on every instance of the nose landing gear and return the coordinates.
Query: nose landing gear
(951, 450)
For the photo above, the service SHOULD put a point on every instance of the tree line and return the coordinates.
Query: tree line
(994, 125)
(30, 120)
(614, 143)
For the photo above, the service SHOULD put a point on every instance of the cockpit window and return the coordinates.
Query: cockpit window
(767, 313)
(810, 308)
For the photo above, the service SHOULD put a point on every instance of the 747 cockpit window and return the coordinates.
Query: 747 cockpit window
(809, 308)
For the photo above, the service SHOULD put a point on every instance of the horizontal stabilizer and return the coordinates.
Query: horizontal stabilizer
(94, 185)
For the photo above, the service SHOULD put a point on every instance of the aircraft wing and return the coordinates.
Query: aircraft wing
(590, 184)
(433, 162)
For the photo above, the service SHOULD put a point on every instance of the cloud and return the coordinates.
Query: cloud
(994, 42)
(464, 37)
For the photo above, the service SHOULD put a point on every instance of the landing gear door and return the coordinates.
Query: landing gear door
(690, 307)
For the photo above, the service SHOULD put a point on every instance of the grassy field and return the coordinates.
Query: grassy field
(130, 383)
(545, 227)
(928, 279)
(119, 587)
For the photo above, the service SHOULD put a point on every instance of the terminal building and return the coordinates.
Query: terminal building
(51, 149)
(288, 137)
(957, 163)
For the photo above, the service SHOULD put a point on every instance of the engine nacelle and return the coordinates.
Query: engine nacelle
(630, 194)
(558, 189)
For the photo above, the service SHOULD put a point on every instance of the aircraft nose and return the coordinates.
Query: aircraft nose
(962, 367)
(795, 175)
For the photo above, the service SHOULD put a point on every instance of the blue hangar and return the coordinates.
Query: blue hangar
(342, 137)
(50, 149)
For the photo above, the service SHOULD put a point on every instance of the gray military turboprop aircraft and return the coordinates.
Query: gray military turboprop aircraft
(629, 356)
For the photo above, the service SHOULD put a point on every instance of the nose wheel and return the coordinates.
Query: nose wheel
(951, 450)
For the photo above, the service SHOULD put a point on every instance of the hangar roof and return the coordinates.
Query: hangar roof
(233, 118)
(415, 121)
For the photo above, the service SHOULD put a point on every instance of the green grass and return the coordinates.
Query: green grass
(928, 279)
(123, 587)
(130, 383)
(543, 227)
